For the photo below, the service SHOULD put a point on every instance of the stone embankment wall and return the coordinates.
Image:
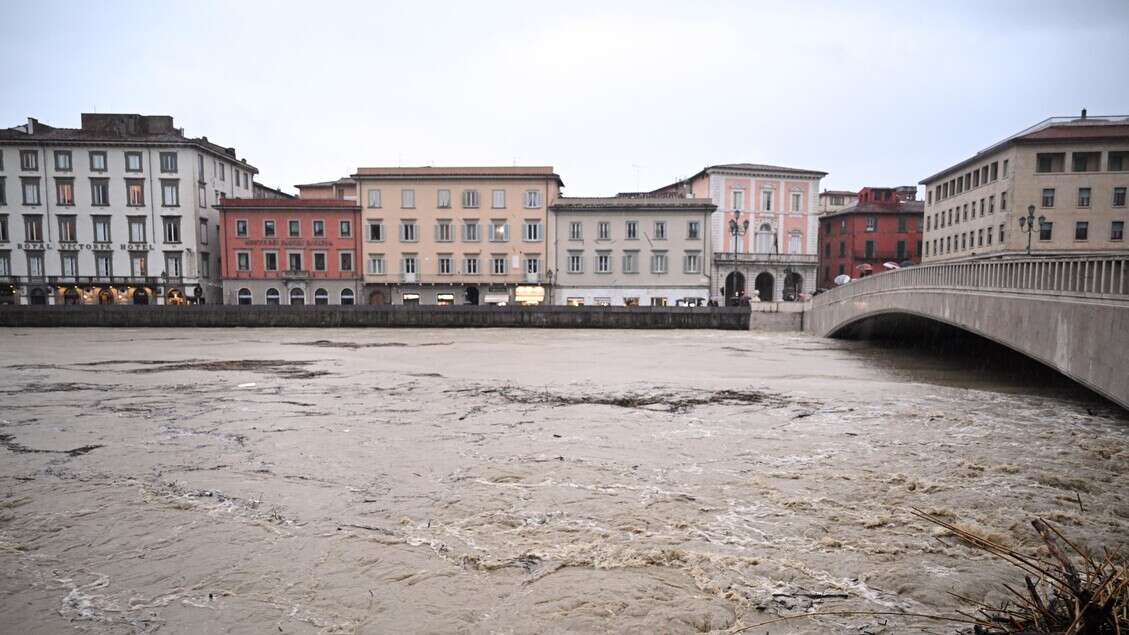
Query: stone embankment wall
(729, 318)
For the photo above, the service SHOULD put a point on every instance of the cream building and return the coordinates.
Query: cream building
(650, 251)
(457, 235)
(831, 201)
(1069, 174)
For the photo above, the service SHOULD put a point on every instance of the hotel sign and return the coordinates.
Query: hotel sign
(32, 246)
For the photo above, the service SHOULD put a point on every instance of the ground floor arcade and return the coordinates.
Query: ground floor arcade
(763, 282)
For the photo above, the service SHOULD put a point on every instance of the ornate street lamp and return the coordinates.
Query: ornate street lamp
(737, 228)
(1027, 224)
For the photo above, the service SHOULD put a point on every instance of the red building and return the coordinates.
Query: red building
(290, 251)
(884, 226)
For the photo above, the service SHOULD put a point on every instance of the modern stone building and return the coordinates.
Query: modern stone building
(773, 254)
(1069, 174)
(456, 235)
(290, 251)
(119, 210)
(884, 226)
(630, 251)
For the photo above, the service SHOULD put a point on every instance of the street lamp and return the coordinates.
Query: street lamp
(1027, 224)
(737, 228)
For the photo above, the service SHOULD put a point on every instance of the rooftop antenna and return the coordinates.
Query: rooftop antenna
(637, 167)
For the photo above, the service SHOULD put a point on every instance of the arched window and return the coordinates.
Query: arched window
(346, 296)
(297, 297)
(272, 296)
(245, 296)
(795, 241)
(321, 296)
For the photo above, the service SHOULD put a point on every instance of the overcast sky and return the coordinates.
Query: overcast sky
(616, 95)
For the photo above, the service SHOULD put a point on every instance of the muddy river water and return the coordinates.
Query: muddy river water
(518, 481)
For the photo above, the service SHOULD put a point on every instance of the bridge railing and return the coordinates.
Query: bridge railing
(1099, 277)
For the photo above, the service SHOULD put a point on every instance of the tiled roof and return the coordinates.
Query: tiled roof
(287, 203)
(905, 207)
(457, 172)
(631, 202)
(50, 134)
(839, 193)
(760, 167)
(341, 181)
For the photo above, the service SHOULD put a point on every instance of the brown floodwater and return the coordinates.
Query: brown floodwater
(521, 481)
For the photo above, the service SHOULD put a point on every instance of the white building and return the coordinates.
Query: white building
(120, 210)
(631, 251)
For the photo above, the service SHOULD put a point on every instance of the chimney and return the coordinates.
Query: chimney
(1083, 113)
(31, 123)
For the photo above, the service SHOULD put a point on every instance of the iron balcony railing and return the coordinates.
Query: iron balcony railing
(1102, 277)
(741, 258)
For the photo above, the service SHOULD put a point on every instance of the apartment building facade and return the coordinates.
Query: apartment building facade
(290, 251)
(764, 230)
(835, 200)
(344, 188)
(884, 226)
(631, 251)
(456, 235)
(1069, 174)
(120, 210)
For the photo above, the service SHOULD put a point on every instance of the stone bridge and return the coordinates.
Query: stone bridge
(1070, 313)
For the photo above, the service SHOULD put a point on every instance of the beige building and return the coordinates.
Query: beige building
(1068, 174)
(342, 189)
(617, 251)
(460, 235)
(831, 201)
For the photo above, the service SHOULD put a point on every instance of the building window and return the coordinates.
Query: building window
(29, 160)
(205, 265)
(1001, 234)
(498, 231)
(470, 199)
(376, 264)
(692, 262)
(901, 224)
(1048, 197)
(470, 231)
(5, 263)
(444, 199)
(318, 228)
(273, 296)
(658, 262)
(1003, 201)
(631, 230)
(901, 250)
(1086, 161)
(245, 296)
(33, 228)
(172, 228)
(375, 230)
(795, 241)
(1082, 230)
(204, 231)
(103, 264)
(796, 200)
(242, 261)
(869, 249)
(68, 260)
(321, 296)
(1083, 197)
(203, 195)
(293, 228)
(603, 230)
(135, 192)
(319, 261)
(1119, 197)
(1117, 230)
(533, 265)
(348, 297)
(345, 228)
(660, 230)
(64, 192)
(268, 228)
(766, 200)
(575, 262)
(470, 264)
(498, 199)
(270, 260)
(68, 230)
(31, 191)
(738, 199)
(603, 262)
(531, 231)
(630, 262)
(63, 160)
(1049, 162)
(532, 199)
(1046, 229)
(241, 227)
(136, 229)
(173, 265)
(101, 229)
(408, 233)
(345, 260)
(1118, 161)
(498, 265)
(408, 199)
(374, 198)
(294, 261)
(693, 230)
(575, 231)
(170, 193)
(842, 249)
(168, 162)
(444, 232)
(871, 223)
(132, 161)
(97, 161)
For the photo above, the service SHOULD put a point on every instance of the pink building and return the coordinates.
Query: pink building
(290, 251)
(765, 228)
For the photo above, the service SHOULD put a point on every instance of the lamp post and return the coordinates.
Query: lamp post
(737, 228)
(1027, 224)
